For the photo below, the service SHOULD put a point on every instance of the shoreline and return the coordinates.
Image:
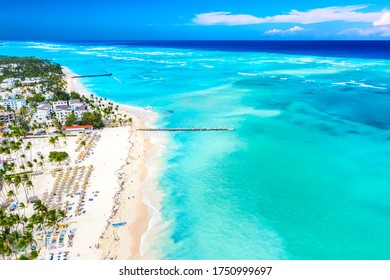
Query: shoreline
(136, 179)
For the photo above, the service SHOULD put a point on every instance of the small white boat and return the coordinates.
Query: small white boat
(148, 107)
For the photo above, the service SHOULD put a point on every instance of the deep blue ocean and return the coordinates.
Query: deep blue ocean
(306, 173)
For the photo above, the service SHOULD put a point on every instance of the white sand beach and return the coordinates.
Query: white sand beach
(122, 187)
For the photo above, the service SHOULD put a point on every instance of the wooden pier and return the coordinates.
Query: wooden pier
(188, 129)
(91, 76)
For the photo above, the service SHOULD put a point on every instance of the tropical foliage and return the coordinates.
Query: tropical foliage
(17, 230)
(58, 156)
(71, 119)
(94, 118)
(28, 67)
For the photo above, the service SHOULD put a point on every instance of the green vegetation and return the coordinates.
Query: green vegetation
(17, 230)
(75, 95)
(71, 119)
(58, 156)
(36, 98)
(18, 162)
(61, 95)
(53, 140)
(28, 67)
(94, 118)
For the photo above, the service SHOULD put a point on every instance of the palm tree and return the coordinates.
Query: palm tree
(36, 164)
(33, 255)
(52, 141)
(28, 239)
(17, 180)
(29, 184)
(11, 195)
(41, 163)
(52, 219)
(22, 206)
(28, 148)
(30, 165)
(57, 140)
(40, 207)
(61, 214)
(37, 219)
(13, 238)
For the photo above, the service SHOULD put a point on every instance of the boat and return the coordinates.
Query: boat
(148, 107)
(118, 224)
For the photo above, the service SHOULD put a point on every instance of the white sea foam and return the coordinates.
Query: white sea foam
(265, 61)
(339, 83)
(304, 72)
(371, 86)
(152, 197)
(84, 52)
(116, 79)
(212, 59)
(162, 61)
(360, 84)
(156, 53)
(100, 49)
(181, 63)
(262, 113)
(49, 47)
(246, 74)
(330, 62)
(128, 58)
(151, 78)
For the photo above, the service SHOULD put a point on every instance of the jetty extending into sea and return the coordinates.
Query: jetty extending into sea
(188, 129)
(91, 76)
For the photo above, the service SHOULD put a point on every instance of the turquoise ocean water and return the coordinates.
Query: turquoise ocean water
(306, 174)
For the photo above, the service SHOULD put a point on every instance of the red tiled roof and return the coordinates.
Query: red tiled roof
(77, 126)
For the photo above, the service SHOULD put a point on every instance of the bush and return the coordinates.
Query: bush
(58, 156)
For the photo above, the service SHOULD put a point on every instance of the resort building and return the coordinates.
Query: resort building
(60, 103)
(18, 90)
(79, 111)
(78, 107)
(14, 104)
(7, 95)
(43, 113)
(30, 81)
(6, 117)
(8, 83)
(62, 111)
(75, 103)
